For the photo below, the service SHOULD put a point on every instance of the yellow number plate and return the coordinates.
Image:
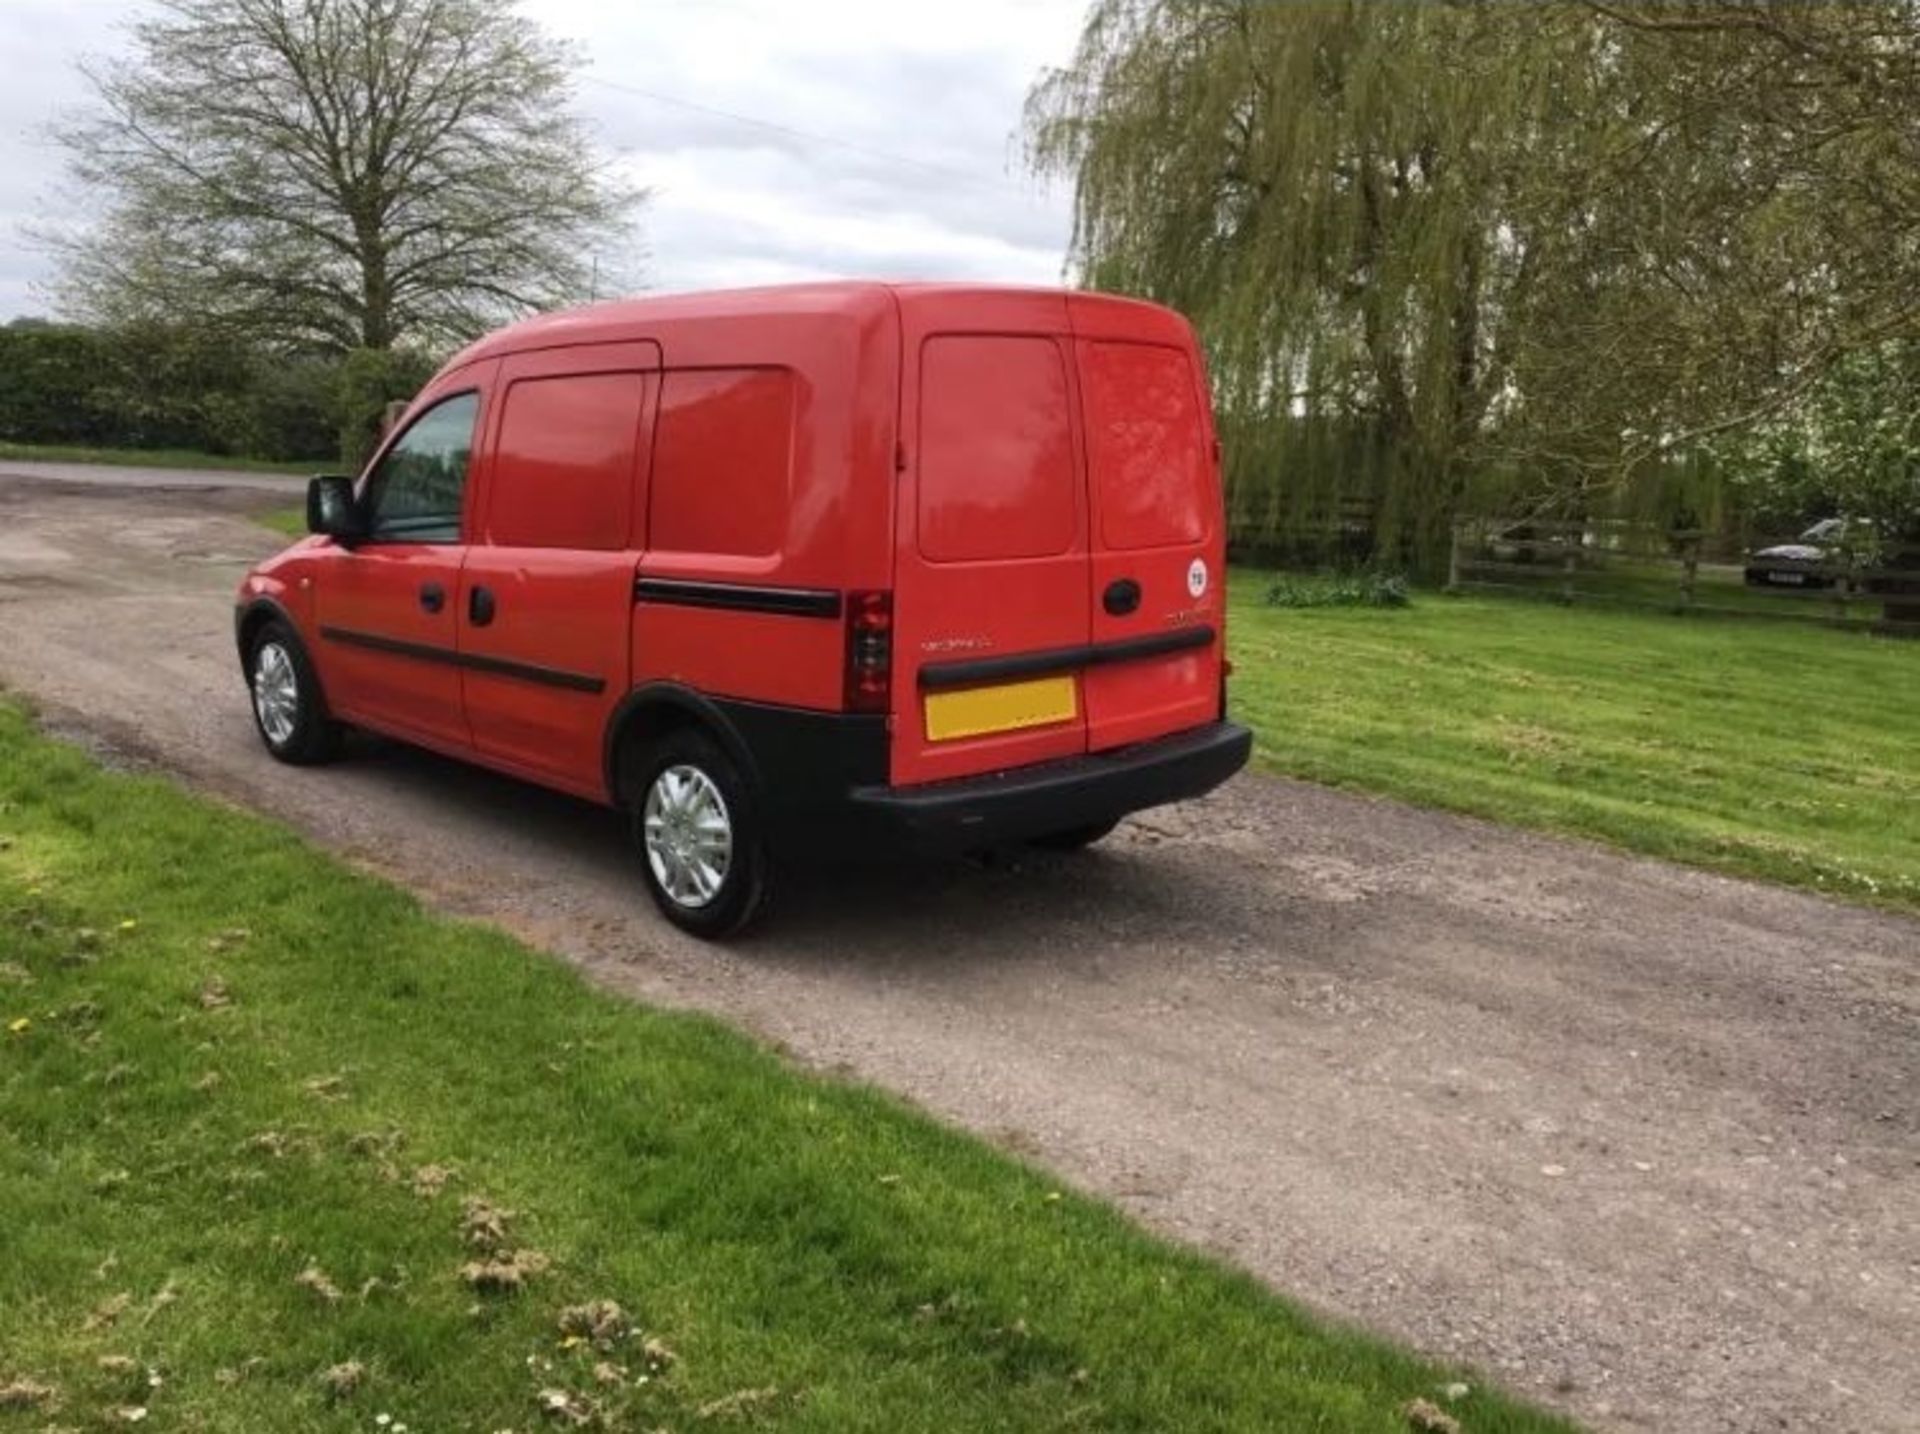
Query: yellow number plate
(1000, 709)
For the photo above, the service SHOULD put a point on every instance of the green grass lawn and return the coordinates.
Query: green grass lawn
(290, 521)
(151, 458)
(279, 1151)
(1773, 750)
(1644, 582)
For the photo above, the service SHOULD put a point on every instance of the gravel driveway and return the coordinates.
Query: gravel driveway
(1640, 1142)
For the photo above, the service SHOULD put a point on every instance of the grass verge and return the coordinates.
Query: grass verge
(151, 458)
(1776, 751)
(290, 521)
(1655, 586)
(278, 1150)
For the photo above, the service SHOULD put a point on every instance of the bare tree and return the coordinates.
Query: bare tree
(338, 173)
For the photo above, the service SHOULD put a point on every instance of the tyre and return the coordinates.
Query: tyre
(702, 851)
(1076, 838)
(289, 710)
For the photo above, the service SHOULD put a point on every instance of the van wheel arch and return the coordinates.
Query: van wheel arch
(649, 714)
(256, 615)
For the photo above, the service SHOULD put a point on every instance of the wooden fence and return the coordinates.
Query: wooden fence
(1636, 565)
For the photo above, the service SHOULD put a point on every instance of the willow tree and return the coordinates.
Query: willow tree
(337, 174)
(1742, 225)
(1535, 248)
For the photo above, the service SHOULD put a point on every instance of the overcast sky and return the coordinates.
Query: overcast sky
(781, 140)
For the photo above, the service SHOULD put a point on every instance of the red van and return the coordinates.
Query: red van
(813, 569)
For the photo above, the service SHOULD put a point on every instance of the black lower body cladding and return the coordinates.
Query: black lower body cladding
(803, 764)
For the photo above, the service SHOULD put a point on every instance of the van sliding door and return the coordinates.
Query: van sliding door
(546, 597)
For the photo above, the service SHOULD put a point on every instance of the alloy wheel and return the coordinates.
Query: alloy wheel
(688, 836)
(276, 693)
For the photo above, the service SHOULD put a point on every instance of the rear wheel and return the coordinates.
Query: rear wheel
(702, 852)
(1076, 838)
(287, 706)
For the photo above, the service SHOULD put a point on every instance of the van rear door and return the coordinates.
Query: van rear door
(1157, 543)
(992, 524)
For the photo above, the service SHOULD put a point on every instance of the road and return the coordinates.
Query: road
(179, 480)
(1640, 1142)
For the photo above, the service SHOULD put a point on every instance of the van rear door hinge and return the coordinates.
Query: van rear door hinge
(900, 455)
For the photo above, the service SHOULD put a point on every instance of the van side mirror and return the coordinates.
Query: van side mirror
(332, 510)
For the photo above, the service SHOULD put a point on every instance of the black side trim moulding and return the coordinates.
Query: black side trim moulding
(974, 670)
(740, 597)
(472, 661)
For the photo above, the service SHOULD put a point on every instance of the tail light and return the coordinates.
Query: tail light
(869, 651)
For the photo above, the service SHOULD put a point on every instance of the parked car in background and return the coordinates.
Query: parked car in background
(825, 568)
(1817, 559)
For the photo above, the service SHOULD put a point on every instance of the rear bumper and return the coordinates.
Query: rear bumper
(1026, 802)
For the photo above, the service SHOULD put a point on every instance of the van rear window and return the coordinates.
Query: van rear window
(996, 449)
(721, 461)
(563, 467)
(1147, 443)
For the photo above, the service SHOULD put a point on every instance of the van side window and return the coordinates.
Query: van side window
(722, 461)
(413, 495)
(563, 466)
(997, 475)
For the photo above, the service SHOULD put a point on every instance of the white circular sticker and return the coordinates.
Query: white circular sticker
(1197, 577)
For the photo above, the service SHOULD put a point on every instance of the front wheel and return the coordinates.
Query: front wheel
(702, 852)
(288, 709)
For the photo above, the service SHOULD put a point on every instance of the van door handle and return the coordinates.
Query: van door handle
(1121, 597)
(433, 597)
(480, 606)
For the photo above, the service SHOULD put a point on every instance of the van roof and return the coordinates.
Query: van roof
(618, 320)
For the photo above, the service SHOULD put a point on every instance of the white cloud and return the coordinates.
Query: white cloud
(781, 141)
(41, 42)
